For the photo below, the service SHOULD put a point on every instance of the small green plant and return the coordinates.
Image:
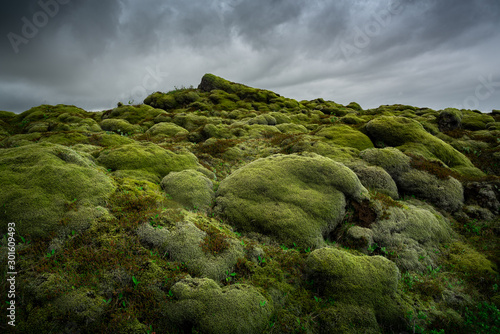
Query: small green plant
(261, 260)
(24, 240)
(230, 276)
(472, 227)
(107, 301)
(263, 303)
(409, 281)
(433, 272)
(483, 319)
(136, 282)
(49, 254)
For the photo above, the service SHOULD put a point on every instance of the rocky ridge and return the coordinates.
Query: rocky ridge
(231, 209)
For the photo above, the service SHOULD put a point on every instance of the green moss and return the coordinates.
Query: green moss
(80, 309)
(189, 121)
(147, 157)
(364, 281)
(412, 233)
(291, 128)
(21, 140)
(67, 139)
(468, 260)
(166, 129)
(202, 304)
(293, 198)
(161, 101)
(450, 119)
(190, 188)
(344, 135)
(216, 131)
(109, 140)
(186, 241)
(475, 121)
(376, 178)
(351, 119)
(120, 126)
(410, 136)
(447, 194)
(211, 82)
(354, 106)
(40, 180)
(390, 159)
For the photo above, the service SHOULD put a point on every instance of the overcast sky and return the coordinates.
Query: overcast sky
(426, 53)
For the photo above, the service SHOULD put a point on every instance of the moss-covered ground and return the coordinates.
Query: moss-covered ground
(107, 242)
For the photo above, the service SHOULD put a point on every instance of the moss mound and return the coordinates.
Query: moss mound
(231, 209)
(146, 157)
(409, 135)
(368, 282)
(202, 304)
(294, 198)
(43, 182)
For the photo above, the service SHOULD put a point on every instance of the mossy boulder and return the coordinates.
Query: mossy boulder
(209, 253)
(413, 233)
(133, 114)
(202, 304)
(190, 121)
(147, 157)
(280, 117)
(354, 106)
(291, 128)
(409, 135)
(120, 126)
(296, 199)
(40, 181)
(447, 194)
(369, 282)
(449, 119)
(66, 138)
(109, 139)
(466, 259)
(161, 101)
(264, 119)
(377, 179)
(392, 160)
(211, 82)
(166, 129)
(344, 135)
(351, 119)
(190, 188)
(475, 121)
(74, 311)
(217, 131)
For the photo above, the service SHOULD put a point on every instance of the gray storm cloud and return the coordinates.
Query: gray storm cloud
(95, 53)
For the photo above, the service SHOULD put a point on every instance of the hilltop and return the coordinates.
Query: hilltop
(231, 209)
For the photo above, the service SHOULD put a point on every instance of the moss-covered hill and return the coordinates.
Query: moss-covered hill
(229, 209)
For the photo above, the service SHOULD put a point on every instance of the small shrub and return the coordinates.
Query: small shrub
(484, 318)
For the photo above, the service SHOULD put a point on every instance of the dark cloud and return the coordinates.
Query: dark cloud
(94, 53)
